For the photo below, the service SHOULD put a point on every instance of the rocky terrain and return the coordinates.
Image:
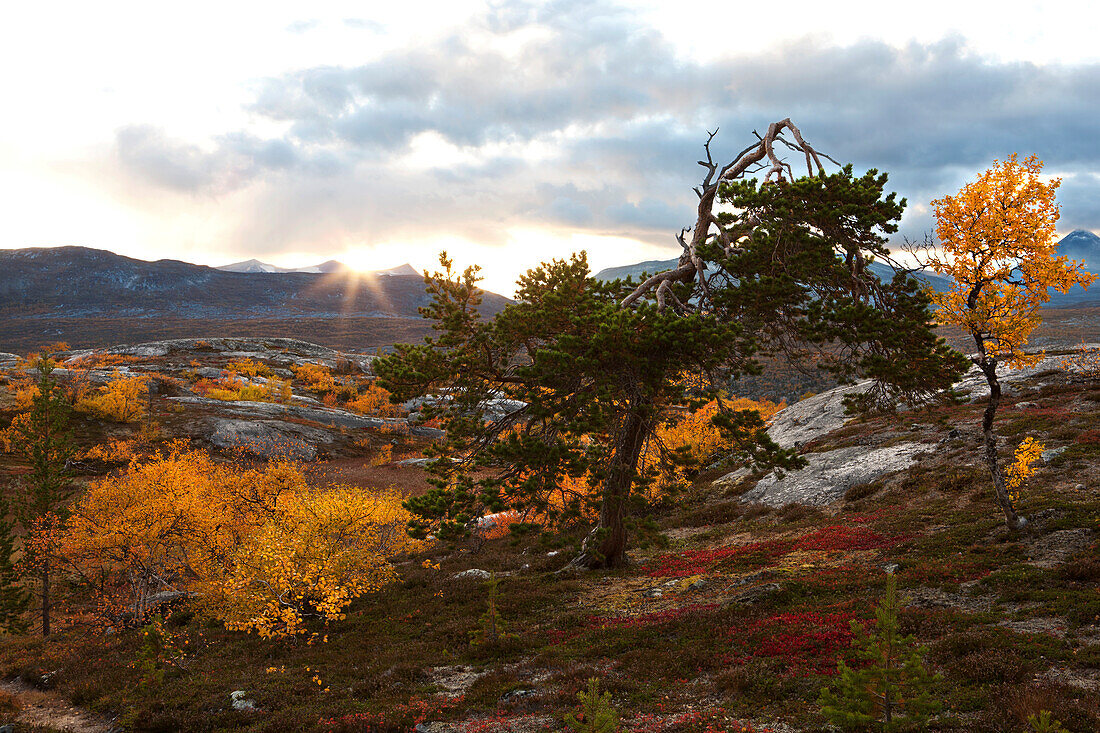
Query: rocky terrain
(731, 616)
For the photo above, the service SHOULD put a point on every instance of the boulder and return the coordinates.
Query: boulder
(266, 438)
(322, 415)
(828, 475)
(240, 701)
(1050, 455)
(813, 417)
(472, 574)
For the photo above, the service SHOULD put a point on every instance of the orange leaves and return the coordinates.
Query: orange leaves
(122, 399)
(317, 377)
(997, 242)
(249, 368)
(696, 438)
(311, 558)
(260, 549)
(374, 400)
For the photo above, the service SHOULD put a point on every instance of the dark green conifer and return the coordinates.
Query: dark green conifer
(14, 598)
(567, 386)
(43, 437)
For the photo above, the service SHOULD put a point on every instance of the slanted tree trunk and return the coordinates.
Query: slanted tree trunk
(605, 546)
(989, 369)
(45, 578)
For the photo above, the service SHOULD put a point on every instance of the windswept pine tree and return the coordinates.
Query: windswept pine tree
(550, 406)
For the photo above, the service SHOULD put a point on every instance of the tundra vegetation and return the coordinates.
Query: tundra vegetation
(573, 564)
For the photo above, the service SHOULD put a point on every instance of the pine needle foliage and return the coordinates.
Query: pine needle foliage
(14, 597)
(551, 405)
(42, 436)
(1044, 722)
(596, 714)
(889, 688)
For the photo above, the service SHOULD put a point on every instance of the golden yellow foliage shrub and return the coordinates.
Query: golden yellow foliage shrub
(231, 389)
(257, 547)
(1022, 467)
(696, 439)
(115, 451)
(374, 400)
(25, 394)
(316, 377)
(311, 558)
(122, 399)
(249, 368)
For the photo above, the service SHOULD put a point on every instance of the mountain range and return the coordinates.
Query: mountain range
(92, 297)
(1079, 245)
(253, 266)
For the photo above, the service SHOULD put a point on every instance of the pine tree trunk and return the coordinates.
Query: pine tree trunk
(611, 531)
(989, 369)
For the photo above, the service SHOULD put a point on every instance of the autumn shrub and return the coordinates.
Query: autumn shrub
(988, 656)
(257, 548)
(802, 642)
(1088, 437)
(123, 399)
(695, 440)
(249, 368)
(1022, 467)
(9, 705)
(232, 389)
(114, 451)
(1083, 569)
(317, 378)
(374, 400)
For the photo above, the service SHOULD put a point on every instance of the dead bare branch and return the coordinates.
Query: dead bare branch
(760, 156)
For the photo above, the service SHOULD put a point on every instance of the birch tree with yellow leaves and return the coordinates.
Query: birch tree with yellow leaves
(256, 547)
(996, 241)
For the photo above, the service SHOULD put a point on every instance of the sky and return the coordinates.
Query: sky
(505, 132)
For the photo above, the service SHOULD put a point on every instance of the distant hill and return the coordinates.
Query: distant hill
(405, 270)
(92, 297)
(1082, 246)
(652, 267)
(1078, 245)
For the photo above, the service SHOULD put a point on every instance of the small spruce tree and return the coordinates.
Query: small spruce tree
(596, 715)
(14, 598)
(890, 688)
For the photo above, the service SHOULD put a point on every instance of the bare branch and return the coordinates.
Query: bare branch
(760, 156)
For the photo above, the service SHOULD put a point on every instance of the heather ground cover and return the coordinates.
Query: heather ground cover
(731, 617)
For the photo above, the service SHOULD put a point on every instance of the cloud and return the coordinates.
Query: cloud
(572, 114)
